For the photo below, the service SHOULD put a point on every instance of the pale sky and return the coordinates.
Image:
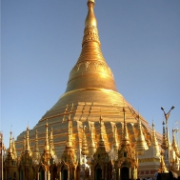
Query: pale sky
(41, 42)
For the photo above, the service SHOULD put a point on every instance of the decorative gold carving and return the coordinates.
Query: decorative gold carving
(91, 34)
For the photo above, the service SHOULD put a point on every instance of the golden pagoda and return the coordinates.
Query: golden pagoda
(155, 143)
(174, 144)
(175, 165)
(101, 164)
(69, 158)
(36, 153)
(10, 163)
(90, 87)
(141, 144)
(127, 162)
(123, 134)
(162, 167)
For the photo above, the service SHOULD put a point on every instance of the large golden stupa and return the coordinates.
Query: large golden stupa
(117, 142)
(91, 92)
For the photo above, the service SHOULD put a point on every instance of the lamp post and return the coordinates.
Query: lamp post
(166, 115)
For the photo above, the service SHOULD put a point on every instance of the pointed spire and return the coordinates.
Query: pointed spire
(46, 146)
(125, 136)
(101, 140)
(46, 156)
(91, 63)
(10, 144)
(69, 123)
(115, 142)
(91, 1)
(69, 140)
(91, 31)
(69, 155)
(162, 167)
(154, 141)
(85, 150)
(36, 153)
(14, 148)
(27, 141)
(51, 140)
(10, 154)
(164, 144)
(141, 144)
(126, 150)
(90, 19)
(174, 143)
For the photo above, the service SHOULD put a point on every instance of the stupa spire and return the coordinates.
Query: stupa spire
(154, 141)
(101, 140)
(125, 136)
(91, 24)
(36, 153)
(51, 139)
(14, 148)
(27, 141)
(141, 144)
(91, 19)
(174, 143)
(10, 150)
(162, 167)
(93, 1)
(91, 67)
(69, 155)
(46, 146)
(10, 145)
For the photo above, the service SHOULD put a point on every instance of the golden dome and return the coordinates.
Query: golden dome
(90, 87)
(91, 83)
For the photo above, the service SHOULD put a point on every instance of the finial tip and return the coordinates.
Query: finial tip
(153, 125)
(93, 1)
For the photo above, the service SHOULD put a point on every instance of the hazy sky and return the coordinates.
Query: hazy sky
(41, 42)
